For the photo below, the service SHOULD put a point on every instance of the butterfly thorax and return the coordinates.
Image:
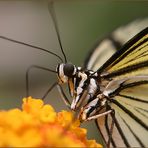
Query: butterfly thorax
(84, 85)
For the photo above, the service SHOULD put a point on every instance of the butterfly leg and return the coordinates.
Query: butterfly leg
(110, 130)
(27, 76)
(49, 90)
(63, 96)
(99, 115)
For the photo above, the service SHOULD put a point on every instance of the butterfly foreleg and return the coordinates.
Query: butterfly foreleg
(49, 90)
(99, 115)
(27, 78)
(63, 96)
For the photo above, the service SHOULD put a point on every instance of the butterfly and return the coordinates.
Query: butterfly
(114, 94)
(117, 92)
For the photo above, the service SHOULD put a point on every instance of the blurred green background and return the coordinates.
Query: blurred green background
(80, 22)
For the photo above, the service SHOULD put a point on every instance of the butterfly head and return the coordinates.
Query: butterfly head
(66, 71)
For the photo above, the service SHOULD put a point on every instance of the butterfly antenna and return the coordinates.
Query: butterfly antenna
(53, 16)
(32, 46)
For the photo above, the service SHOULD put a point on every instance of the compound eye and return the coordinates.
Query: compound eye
(69, 69)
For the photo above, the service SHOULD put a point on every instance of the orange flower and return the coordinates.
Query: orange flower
(38, 125)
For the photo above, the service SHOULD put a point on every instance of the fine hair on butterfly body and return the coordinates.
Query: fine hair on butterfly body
(110, 92)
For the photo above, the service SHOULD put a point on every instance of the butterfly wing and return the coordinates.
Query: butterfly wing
(132, 55)
(106, 47)
(131, 100)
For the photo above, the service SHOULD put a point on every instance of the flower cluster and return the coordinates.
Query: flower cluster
(38, 125)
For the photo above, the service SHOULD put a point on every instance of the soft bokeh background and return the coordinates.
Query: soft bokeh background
(80, 22)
